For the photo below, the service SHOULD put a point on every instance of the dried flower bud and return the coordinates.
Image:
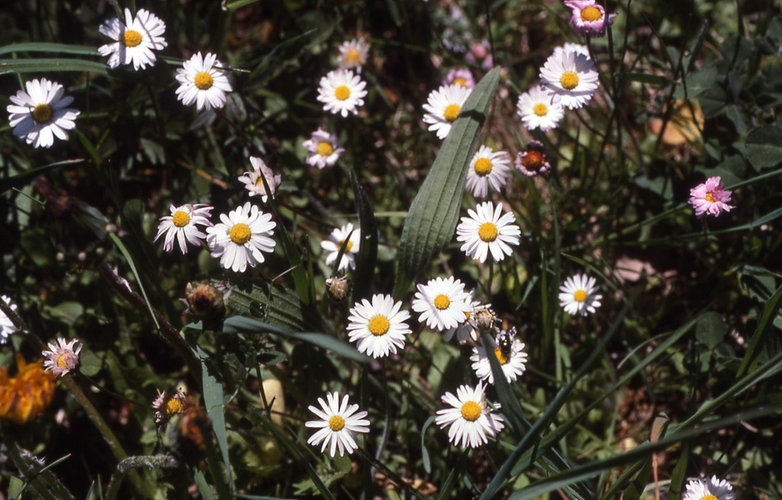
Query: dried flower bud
(338, 288)
(204, 300)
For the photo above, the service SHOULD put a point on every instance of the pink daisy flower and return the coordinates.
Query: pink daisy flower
(711, 197)
(589, 17)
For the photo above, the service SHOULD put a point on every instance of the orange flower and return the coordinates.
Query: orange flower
(25, 396)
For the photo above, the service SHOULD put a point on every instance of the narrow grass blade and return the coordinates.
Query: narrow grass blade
(340, 347)
(117, 241)
(23, 178)
(46, 65)
(215, 408)
(433, 215)
(765, 325)
(367, 254)
(57, 48)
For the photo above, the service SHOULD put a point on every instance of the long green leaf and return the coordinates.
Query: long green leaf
(367, 254)
(48, 65)
(58, 48)
(340, 347)
(215, 408)
(117, 241)
(23, 178)
(770, 311)
(433, 215)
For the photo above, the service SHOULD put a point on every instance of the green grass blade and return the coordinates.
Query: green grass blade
(57, 48)
(117, 241)
(765, 325)
(340, 347)
(367, 254)
(434, 213)
(23, 178)
(46, 65)
(215, 408)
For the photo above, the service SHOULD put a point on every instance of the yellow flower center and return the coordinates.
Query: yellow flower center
(487, 232)
(172, 407)
(533, 160)
(466, 314)
(471, 411)
(64, 362)
(348, 247)
(131, 38)
(336, 423)
(459, 81)
(442, 302)
(482, 166)
(580, 296)
(569, 80)
(710, 197)
(203, 81)
(500, 356)
(378, 326)
(540, 109)
(42, 113)
(180, 218)
(240, 234)
(709, 497)
(591, 14)
(325, 148)
(342, 92)
(353, 57)
(451, 112)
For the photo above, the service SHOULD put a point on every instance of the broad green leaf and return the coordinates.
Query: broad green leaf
(50, 65)
(367, 254)
(764, 146)
(252, 326)
(710, 330)
(433, 215)
(697, 83)
(19, 180)
(58, 48)
(424, 452)
(274, 305)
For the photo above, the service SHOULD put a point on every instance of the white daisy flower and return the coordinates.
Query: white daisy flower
(537, 111)
(202, 82)
(378, 327)
(509, 352)
(487, 168)
(341, 92)
(40, 113)
(167, 404)
(7, 326)
(572, 47)
(443, 107)
(253, 183)
(338, 424)
(570, 79)
(323, 149)
(488, 230)
(334, 243)
(578, 295)
(470, 418)
(461, 77)
(134, 40)
(353, 54)
(443, 304)
(241, 237)
(61, 358)
(467, 329)
(181, 224)
(709, 489)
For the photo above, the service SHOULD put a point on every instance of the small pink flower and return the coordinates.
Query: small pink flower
(710, 197)
(589, 17)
